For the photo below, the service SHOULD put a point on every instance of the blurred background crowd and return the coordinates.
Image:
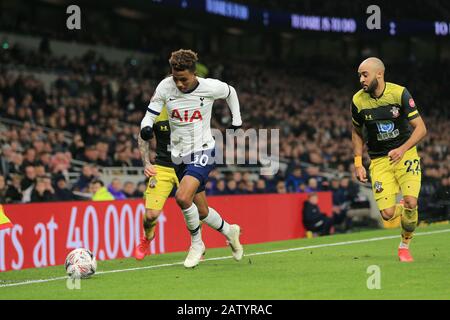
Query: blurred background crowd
(89, 112)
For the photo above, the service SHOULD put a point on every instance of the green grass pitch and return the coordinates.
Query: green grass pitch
(333, 267)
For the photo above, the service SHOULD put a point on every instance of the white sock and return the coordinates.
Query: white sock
(214, 220)
(403, 245)
(193, 223)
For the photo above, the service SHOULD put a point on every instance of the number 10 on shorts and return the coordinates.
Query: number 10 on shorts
(201, 160)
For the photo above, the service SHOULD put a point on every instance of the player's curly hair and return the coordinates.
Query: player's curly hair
(183, 60)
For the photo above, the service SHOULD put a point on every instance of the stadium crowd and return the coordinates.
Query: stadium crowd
(92, 110)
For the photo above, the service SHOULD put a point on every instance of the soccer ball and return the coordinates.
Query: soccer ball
(80, 264)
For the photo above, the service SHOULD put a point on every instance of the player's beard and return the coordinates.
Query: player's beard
(372, 86)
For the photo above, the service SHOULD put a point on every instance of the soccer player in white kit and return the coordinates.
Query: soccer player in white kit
(189, 100)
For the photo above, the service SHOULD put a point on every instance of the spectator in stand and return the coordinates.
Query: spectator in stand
(91, 136)
(242, 187)
(136, 160)
(77, 147)
(250, 187)
(442, 197)
(260, 186)
(62, 192)
(95, 171)
(61, 145)
(123, 158)
(40, 192)
(237, 177)
(220, 188)
(232, 187)
(247, 177)
(85, 179)
(141, 187)
(443, 191)
(312, 185)
(209, 188)
(99, 191)
(14, 191)
(313, 219)
(90, 154)
(350, 190)
(29, 158)
(45, 160)
(60, 163)
(294, 180)
(339, 193)
(39, 170)
(3, 190)
(104, 159)
(115, 188)
(15, 166)
(281, 187)
(48, 185)
(129, 190)
(6, 158)
(30, 177)
(341, 203)
(214, 176)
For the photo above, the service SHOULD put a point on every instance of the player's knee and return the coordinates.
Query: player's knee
(410, 202)
(387, 214)
(152, 215)
(183, 200)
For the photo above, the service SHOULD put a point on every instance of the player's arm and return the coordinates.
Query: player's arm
(221, 90)
(358, 144)
(233, 104)
(416, 121)
(153, 110)
(419, 132)
(144, 148)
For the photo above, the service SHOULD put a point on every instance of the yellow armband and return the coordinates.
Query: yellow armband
(358, 162)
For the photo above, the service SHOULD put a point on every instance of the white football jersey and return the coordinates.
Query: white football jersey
(189, 113)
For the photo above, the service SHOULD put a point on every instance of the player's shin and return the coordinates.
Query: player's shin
(192, 220)
(215, 221)
(149, 228)
(409, 224)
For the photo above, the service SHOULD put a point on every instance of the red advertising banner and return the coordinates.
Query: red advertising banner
(44, 233)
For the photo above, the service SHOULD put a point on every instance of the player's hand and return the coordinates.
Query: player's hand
(396, 155)
(149, 171)
(361, 174)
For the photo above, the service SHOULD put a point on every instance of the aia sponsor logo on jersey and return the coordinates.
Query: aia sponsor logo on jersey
(186, 116)
(412, 104)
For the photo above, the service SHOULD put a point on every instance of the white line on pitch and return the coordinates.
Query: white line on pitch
(229, 257)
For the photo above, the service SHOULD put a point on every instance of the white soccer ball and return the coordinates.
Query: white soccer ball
(80, 264)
